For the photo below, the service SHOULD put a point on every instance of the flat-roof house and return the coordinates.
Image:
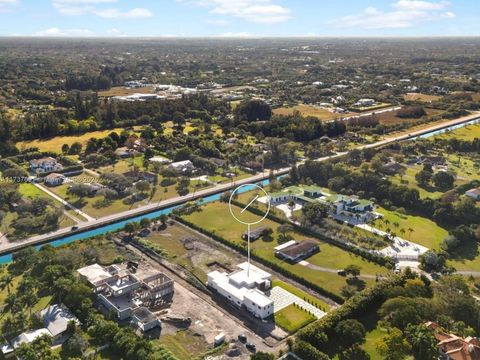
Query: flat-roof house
(141, 175)
(144, 319)
(297, 251)
(244, 288)
(473, 193)
(129, 291)
(54, 179)
(182, 167)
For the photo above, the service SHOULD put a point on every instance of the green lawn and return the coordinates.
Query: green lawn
(468, 132)
(425, 231)
(292, 318)
(408, 179)
(184, 344)
(55, 144)
(371, 340)
(216, 218)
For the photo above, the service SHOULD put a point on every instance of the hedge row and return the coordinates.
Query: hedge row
(354, 307)
(69, 169)
(380, 260)
(264, 261)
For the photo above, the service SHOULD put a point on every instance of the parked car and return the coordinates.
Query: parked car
(341, 272)
(242, 338)
(251, 347)
(74, 228)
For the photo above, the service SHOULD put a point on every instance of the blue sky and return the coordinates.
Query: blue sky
(239, 17)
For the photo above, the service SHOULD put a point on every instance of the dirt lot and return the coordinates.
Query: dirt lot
(309, 110)
(389, 117)
(421, 97)
(123, 91)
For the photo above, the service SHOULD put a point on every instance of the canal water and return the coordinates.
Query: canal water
(119, 225)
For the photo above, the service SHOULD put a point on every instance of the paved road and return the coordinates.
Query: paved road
(8, 247)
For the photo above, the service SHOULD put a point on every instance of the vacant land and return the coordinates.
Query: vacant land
(55, 144)
(292, 318)
(123, 91)
(185, 344)
(390, 117)
(215, 217)
(467, 133)
(421, 97)
(425, 231)
(310, 110)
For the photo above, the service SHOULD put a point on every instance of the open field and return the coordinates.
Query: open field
(123, 91)
(421, 97)
(55, 144)
(292, 318)
(390, 117)
(310, 110)
(425, 231)
(184, 344)
(468, 132)
(370, 108)
(215, 217)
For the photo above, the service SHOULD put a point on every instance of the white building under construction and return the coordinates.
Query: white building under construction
(244, 288)
(131, 292)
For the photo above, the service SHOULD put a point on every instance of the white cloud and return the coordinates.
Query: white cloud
(77, 7)
(81, 7)
(6, 5)
(137, 13)
(420, 5)
(216, 22)
(258, 11)
(405, 14)
(56, 32)
(236, 34)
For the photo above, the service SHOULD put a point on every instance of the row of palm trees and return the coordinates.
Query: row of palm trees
(385, 224)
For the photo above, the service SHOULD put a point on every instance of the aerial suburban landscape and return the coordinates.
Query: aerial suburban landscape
(239, 195)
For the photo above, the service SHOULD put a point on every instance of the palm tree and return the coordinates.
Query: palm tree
(396, 225)
(402, 232)
(410, 231)
(6, 282)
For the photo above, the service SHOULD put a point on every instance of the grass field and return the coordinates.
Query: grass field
(216, 218)
(184, 344)
(426, 232)
(390, 117)
(371, 340)
(55, 144)
(123, 91)
(421, 97)
(292, 318)
(468, 132)
(310, 110)
(408, 179)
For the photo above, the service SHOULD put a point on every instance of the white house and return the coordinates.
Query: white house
(45, 164)
(56, 318)
(473, 193)
(365, 102)
(182, 167)
(243, 288)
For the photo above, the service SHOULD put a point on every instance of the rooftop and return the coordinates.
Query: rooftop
(56, 318)
(94, 273)
(258, 298)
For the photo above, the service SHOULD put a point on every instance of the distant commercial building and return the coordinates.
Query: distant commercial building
(244, 288)
(129, 291)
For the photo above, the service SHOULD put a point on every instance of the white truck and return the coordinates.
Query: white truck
(219, 339)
